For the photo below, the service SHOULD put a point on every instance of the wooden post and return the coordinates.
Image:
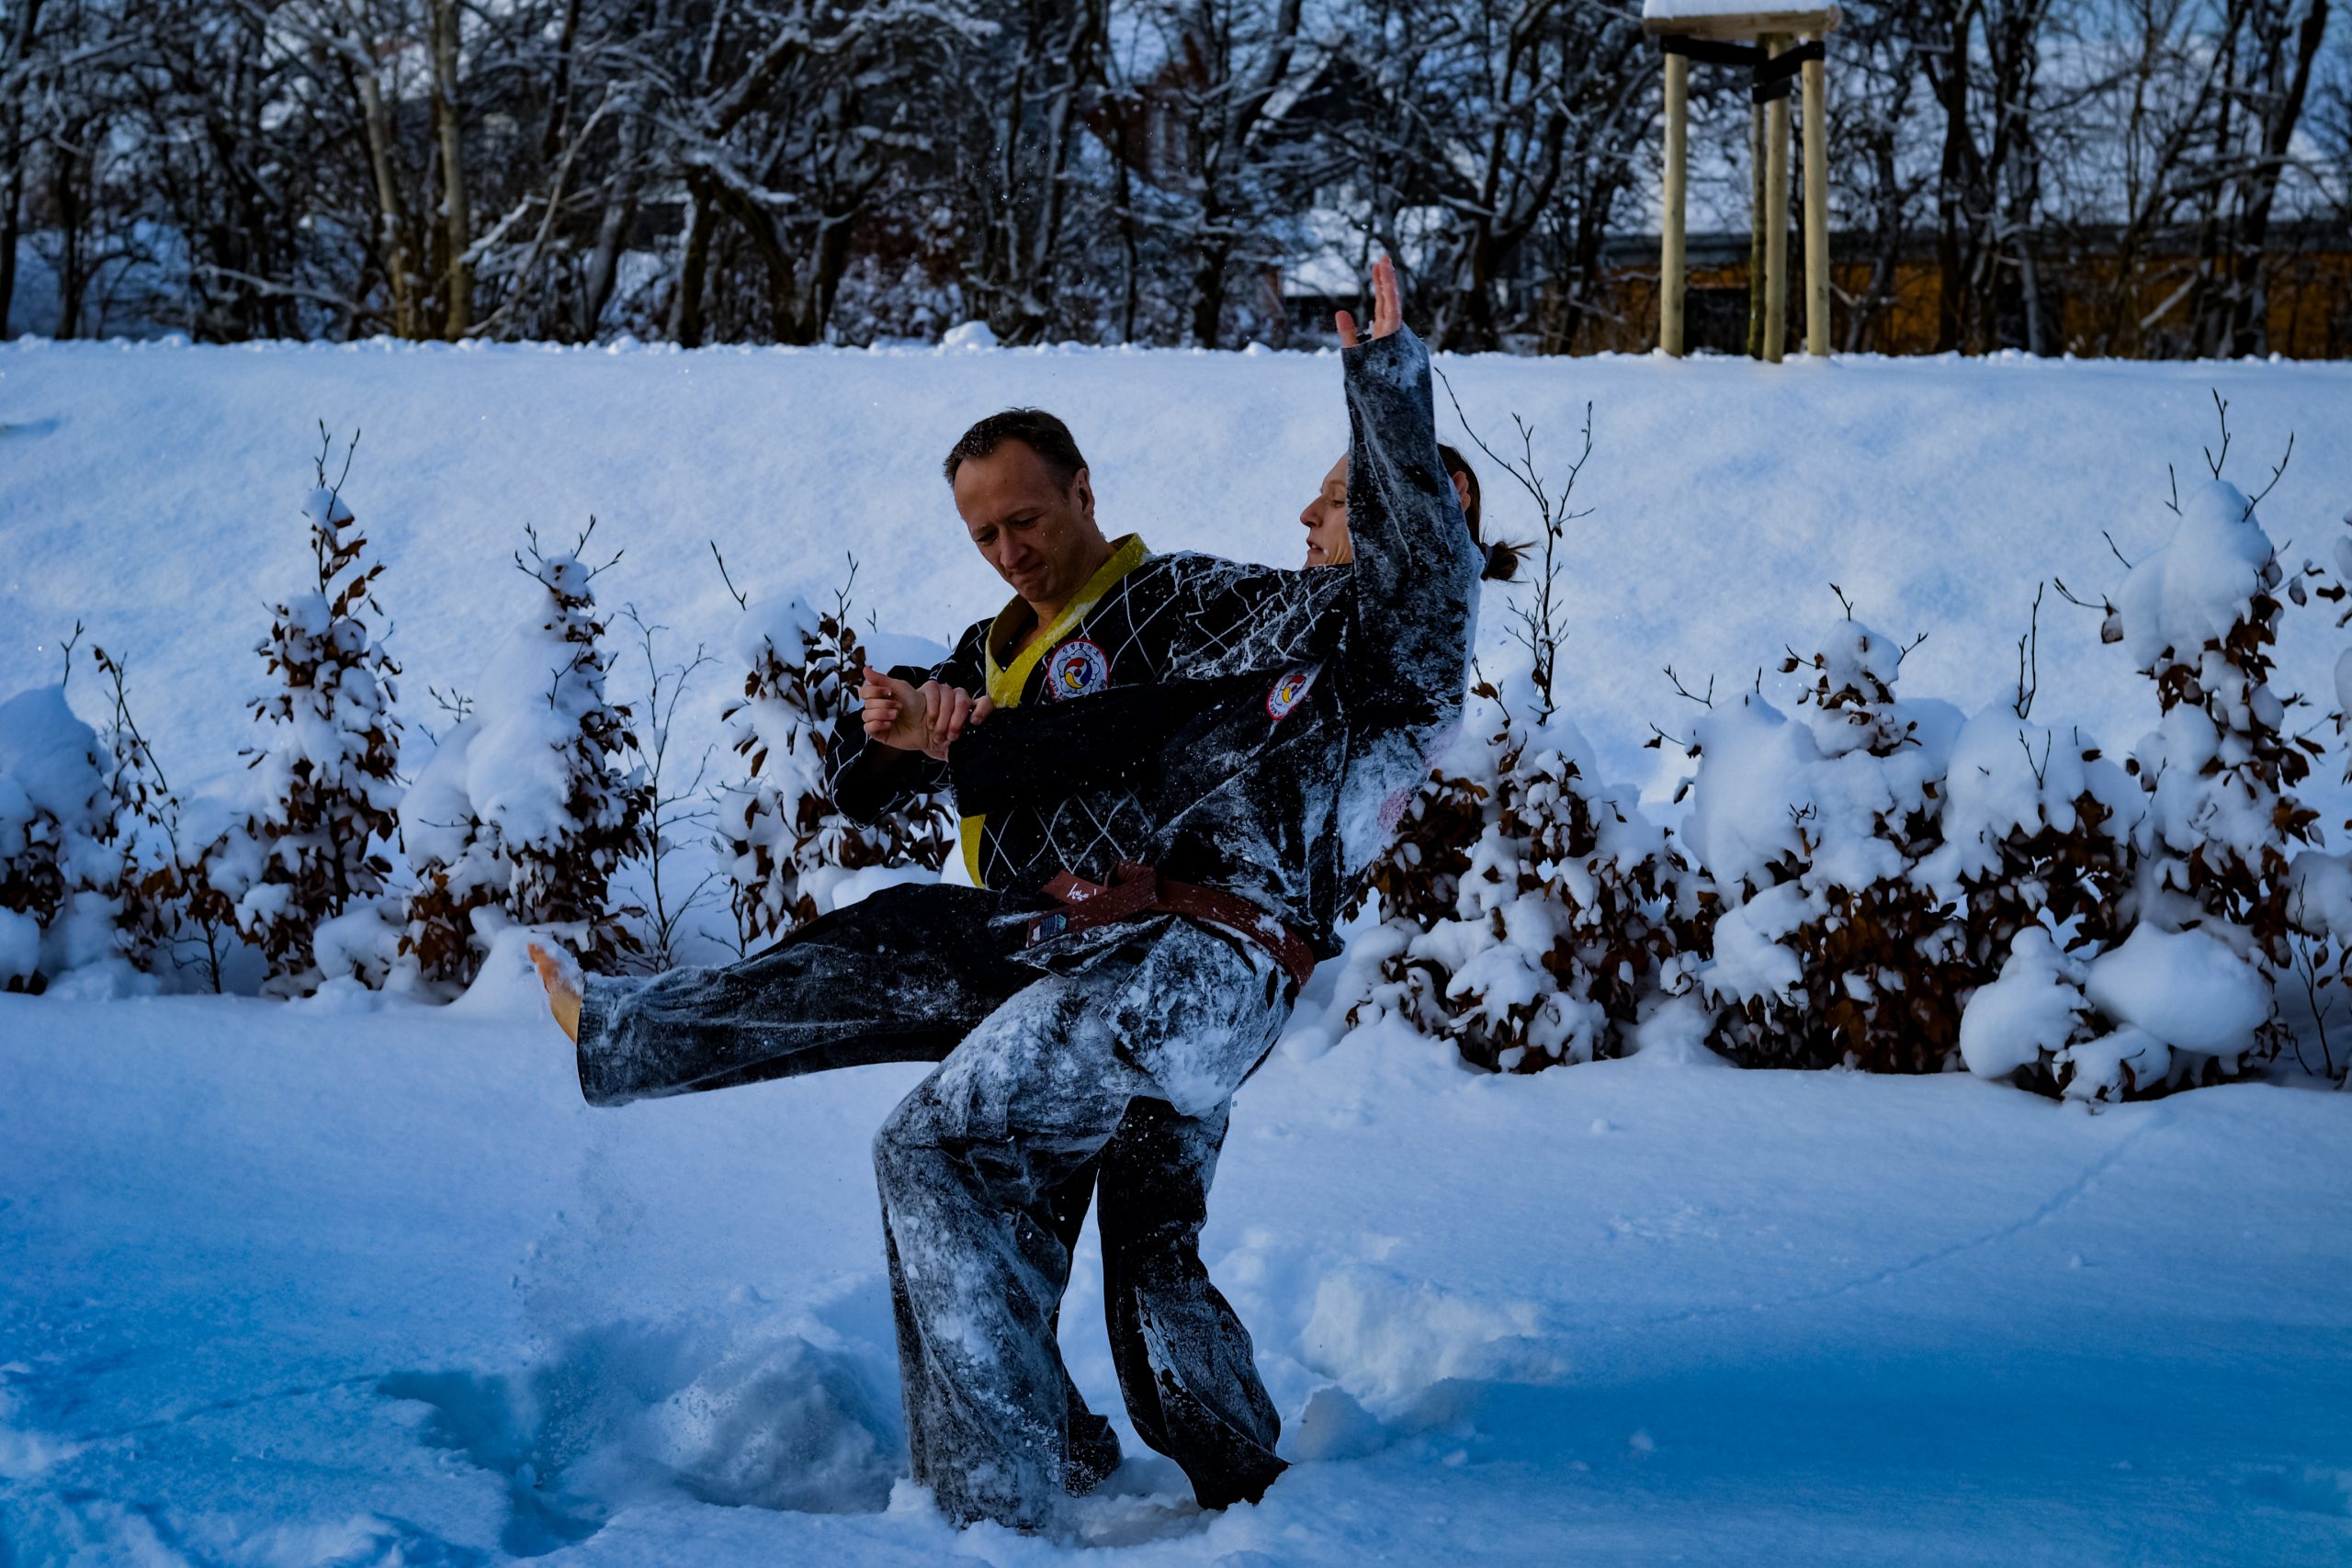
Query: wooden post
(1755, 225)
(1776, 217)
(1816, 211)
(1672, 266)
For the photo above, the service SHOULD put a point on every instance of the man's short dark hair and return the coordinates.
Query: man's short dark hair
(1033, 428)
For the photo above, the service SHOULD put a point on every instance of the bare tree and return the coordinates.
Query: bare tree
(1021, 88)
(61, 64)
(1482, 116)
(1224, 62)
(672, 805)
(783, 123)
(1880, 180)
(2123, 176)
(2271, 47)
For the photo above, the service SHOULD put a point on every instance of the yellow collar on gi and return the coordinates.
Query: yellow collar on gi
(1006, 681)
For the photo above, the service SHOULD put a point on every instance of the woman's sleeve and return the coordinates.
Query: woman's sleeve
(1414, 578)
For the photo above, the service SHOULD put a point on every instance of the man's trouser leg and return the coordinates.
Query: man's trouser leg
(971, 1162)
(1185, 1363)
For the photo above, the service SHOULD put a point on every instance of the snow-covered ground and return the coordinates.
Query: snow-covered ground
(290, 1284)
(290, 1287)
(285, 1286)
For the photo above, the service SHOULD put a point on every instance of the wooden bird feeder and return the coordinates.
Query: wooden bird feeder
(1774, 43)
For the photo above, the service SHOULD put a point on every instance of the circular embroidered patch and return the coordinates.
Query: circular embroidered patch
(1290, 691)
(1076, 669)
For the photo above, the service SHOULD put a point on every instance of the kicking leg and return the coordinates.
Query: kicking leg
(900, 976)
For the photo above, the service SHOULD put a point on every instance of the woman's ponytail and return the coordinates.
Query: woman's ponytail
(1502, 557)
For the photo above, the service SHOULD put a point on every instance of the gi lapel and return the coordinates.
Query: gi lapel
(1005, 682)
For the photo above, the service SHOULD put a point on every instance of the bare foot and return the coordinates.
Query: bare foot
(563, 993)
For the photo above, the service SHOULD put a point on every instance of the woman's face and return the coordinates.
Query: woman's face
(1327, 520)
(1327, 516)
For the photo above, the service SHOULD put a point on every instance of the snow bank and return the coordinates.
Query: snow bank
(51, 762)
(1387, 1339)
(1948, 490)
(2186, 988)
(2032, 1008)
(741, 1413)
(26, 1452)
(1635, 1310)
(2196, 583)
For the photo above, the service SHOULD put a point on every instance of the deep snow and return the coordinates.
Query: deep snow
(290, 1286)
(329, 1282)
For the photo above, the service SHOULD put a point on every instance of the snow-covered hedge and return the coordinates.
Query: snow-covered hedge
(2188, 994)
(1527, 910)
(532, 800)
(1882, 881)
(322, 868)
(787, 848)
(1861, 879)
(327, 766)
(1812, 824)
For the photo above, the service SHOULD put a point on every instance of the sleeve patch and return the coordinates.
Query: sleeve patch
(1290, 691)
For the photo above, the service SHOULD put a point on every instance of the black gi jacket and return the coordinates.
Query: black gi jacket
(1246, 727)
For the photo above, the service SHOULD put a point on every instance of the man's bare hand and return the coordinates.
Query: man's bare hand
(1387, 305)
(927, 719)
(564, 989)
(894, 712)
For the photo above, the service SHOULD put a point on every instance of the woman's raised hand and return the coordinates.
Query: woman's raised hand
(1387, 308)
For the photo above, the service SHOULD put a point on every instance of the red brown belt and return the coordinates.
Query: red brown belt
(1137, 891)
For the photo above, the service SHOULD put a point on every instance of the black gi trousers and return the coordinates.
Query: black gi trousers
(906, 975)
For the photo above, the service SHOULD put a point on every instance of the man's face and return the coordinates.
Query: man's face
(1040, 536)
